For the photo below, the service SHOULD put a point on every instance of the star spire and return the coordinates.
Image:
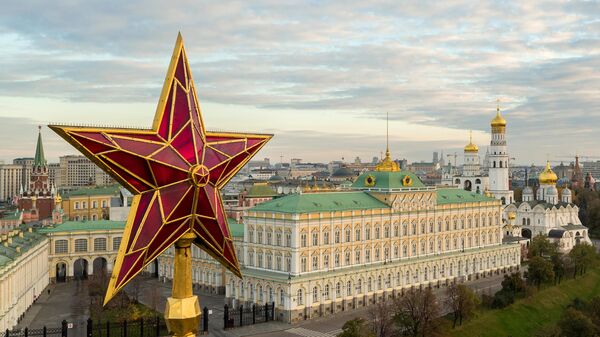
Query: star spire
(175, 171)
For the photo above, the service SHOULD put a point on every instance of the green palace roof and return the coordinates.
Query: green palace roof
(261, 190)
(12, 215)
(92, 191)
(384, 180)
(320, 202)
(236, 228)
(457, 195)
(75, 226)
(9, 252)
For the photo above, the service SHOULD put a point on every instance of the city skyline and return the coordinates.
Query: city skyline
(330, 80)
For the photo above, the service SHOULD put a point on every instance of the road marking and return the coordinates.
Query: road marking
(311, 333)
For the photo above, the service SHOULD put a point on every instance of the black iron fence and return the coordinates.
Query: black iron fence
(141, 328)
(236, 317)
(43, 332)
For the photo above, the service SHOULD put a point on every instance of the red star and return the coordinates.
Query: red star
(175, 170)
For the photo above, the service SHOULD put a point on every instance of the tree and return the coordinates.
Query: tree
(539, 271)
(415, 313)
(593, 310)
(574, 323)
(381, 320)
(355, 328)
(541, 246)
(462, 301)
(582, 256)
(558, 266)
(514, 283)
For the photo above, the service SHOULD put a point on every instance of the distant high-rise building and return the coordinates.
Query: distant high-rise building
(26, 164)
(77, 171)
(436, 157)
(11, 181)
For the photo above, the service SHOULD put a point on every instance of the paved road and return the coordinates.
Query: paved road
(69, 301)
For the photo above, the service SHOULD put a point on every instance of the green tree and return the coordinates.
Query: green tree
(462, 301)
(514, 283)
(593, 310)
(574, 323)
(582, 257)
(416, 313)
(559, 267)
(356, 328)
(541, 246)
(539, 271)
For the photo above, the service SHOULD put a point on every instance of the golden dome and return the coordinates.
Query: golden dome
(498, 120)
(548, 177)
(512, 215)
(387, 164)
(471, 147)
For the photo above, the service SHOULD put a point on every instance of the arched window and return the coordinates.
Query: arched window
(326, 292)
(348, 288)
(315, 294)
(338, 290)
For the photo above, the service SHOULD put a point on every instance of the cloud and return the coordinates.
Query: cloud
(434, 64)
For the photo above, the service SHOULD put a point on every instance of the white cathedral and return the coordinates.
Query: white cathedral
(550, 212)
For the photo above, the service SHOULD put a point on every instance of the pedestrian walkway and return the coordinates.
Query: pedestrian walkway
(312, 333)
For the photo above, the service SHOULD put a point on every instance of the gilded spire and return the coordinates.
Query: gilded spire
(387, 164)
(498, 121)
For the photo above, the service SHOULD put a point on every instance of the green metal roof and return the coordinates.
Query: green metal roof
(457, 195)
(236, 228)
(9, 253)
(92, 191)
(39, 159)
(386, 180)
(12, 215)
(259, 190)
(74, 226)
(320, 202)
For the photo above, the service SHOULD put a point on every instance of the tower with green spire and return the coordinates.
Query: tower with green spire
(37, 201)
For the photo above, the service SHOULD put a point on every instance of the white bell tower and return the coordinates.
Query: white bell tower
(498, 161)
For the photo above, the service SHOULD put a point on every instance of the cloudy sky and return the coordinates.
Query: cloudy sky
(319, 75)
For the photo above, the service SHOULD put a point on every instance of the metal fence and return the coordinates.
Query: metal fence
(236, 317)
(154, 327)
(43, 332)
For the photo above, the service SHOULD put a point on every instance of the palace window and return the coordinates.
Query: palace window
(315, 295)
(278, 239)
(303, 264)
(315, 263)
(326, 238)
(81, 245)
(116, 243)
(288, 240)
(76, 205)
(439, 223)
(303, 240)
(359, 286)
(260, 237)
(368, 233)
(337, 236)
(326, 292)
(386, 232)
(315, 239)
(422, 227)
(299, 297)
(379, 282)
(370, 285)
(61, 246)
(337, 260)
(447, 224)
(396, 251)
(404, 229)
(100, 244)
(357, 235)
(281, 297)
(326, 261)
(94, 204)
(251, 236)
(84, 204)
(396, 230)
(260, 260)
(251, 258)
(338, 290)
(386, 253)
(348, 288)
(367, 255)
(414, 228)
(377, 237)
(404, 250)
(288, 263)
(347, 258)
(103, 203)
(357, 256)
(348, 235)
(377, 254)
(269, 238)
(414, 249)
(269, 261)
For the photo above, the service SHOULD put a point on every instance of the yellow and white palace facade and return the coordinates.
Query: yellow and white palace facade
(315, 254)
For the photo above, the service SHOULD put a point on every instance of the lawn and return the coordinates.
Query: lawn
(526, 316)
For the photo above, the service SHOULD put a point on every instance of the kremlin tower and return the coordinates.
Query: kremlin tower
(498, 161)
(37, 202)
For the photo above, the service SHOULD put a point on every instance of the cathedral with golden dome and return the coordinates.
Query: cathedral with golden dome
(549, 211)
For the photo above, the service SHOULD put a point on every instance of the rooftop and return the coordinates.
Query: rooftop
(261, 190)
(387, 180)
(76, 226)
(10, 252)
(321, 202)
(457, 195)
(94, 191)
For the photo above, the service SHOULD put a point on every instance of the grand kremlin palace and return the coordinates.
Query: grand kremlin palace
(318, 253)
